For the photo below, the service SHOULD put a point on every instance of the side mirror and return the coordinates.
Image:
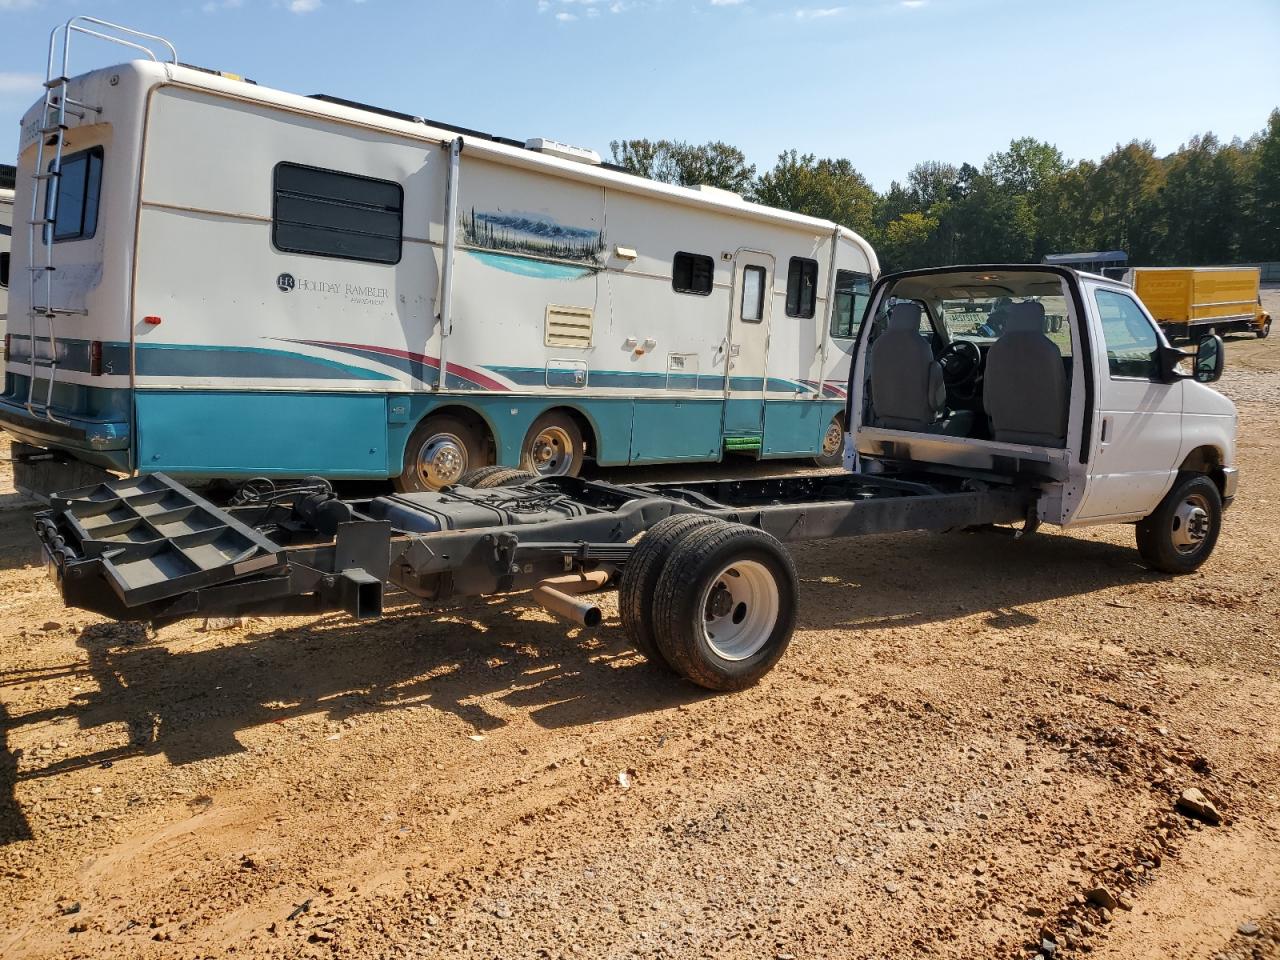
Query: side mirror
(1211, 355)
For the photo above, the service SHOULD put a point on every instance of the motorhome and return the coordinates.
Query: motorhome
(6, 232)
(369, 294)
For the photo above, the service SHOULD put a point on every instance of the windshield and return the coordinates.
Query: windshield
(982, 319)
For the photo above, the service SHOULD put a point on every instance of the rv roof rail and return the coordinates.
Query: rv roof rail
(410, 118)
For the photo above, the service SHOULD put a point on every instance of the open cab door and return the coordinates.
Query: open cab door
(985, 370)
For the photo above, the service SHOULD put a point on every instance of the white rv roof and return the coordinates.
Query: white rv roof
(161, 73)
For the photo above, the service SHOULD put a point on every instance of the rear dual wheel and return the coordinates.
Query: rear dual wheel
(715, 601)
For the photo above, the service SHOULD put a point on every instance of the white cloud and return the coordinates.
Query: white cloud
(213, 6)
(564, 17)
(817, 13)
(18, 83)
(912, 4)
(727, 3)
(304, 6)
(18, 5)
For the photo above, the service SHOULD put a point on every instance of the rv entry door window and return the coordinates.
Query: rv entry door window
(753, 294)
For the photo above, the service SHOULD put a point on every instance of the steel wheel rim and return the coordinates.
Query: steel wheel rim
(1190, 524)
(739, 610)
(442, 460)
(551, 452)
(833, 439)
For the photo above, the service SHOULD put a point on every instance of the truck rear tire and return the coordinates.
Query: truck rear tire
(1264, 331)
(640, 578)
(1181, 532)
(724, 607)
(478, 479)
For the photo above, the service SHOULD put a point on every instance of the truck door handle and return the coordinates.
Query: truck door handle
(1106, 428)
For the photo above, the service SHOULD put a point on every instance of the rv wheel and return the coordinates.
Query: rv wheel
(832, 454)
(724, 607)
(440, 450)
(553, 446)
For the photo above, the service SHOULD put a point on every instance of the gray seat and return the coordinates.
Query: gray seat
(906, 382)
(1025, 391)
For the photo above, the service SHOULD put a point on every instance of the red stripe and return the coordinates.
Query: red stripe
(466, 373)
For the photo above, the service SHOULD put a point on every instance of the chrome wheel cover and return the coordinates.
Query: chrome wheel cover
(442, 460)
(1190, 524)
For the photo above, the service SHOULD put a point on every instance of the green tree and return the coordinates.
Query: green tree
(1201, 203)
(830, 189)
(908, 242)
(1261, 239)
(716, 164)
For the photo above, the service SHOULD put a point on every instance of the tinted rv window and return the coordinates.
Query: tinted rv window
(78, 186)
(853, 290)
(692, 273)
(802, 287)
(331, 214)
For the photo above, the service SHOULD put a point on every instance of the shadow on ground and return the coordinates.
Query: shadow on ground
(191, 705)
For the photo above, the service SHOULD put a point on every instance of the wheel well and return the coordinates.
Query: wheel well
(583, 423)
(472, 419)
(1206, 460)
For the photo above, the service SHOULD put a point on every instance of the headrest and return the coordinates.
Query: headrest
(1025, 317)
(905, 316)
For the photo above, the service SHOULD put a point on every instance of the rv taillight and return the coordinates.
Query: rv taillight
(95, 358)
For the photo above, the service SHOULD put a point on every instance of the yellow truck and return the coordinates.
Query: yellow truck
(1190, 300)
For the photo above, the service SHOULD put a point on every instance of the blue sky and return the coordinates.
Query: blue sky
(886, 83)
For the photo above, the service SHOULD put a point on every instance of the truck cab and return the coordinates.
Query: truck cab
(1043, 375)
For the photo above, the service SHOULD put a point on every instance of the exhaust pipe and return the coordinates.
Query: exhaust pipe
(559, 596)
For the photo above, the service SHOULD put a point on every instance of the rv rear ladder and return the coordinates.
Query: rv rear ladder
(53, 136)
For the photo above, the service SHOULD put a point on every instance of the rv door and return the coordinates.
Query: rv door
(747, 346)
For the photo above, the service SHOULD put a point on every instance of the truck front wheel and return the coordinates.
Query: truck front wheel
(1181, 532)
(1264, 331)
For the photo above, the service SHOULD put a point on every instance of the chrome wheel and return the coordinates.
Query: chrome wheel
(442, 460)
(1190, 524)
(833, 439)
(740, 609)
(551, 452)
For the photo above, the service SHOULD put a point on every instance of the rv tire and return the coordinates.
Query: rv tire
(440, 451)
(553, 447)
(833, 441)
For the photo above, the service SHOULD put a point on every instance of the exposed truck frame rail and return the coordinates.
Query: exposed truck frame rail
(149, 549)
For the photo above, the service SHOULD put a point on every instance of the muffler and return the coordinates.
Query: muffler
(559, 595)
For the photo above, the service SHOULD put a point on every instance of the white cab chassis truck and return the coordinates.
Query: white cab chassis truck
(217, 279)
(986, 395)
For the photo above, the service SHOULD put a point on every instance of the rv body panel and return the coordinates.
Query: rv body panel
(226, 346)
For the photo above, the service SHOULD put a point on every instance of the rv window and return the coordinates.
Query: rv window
(76, 212)
(4, 269)
(331, 214)
(853, 290)
(753, 294)
(692, 273)
(802, 287)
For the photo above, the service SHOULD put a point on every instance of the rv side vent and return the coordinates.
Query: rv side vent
(568, 326)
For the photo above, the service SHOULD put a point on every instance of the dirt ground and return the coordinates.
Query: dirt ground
(968, 737)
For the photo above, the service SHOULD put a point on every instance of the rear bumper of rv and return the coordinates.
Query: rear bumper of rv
(104, 443)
